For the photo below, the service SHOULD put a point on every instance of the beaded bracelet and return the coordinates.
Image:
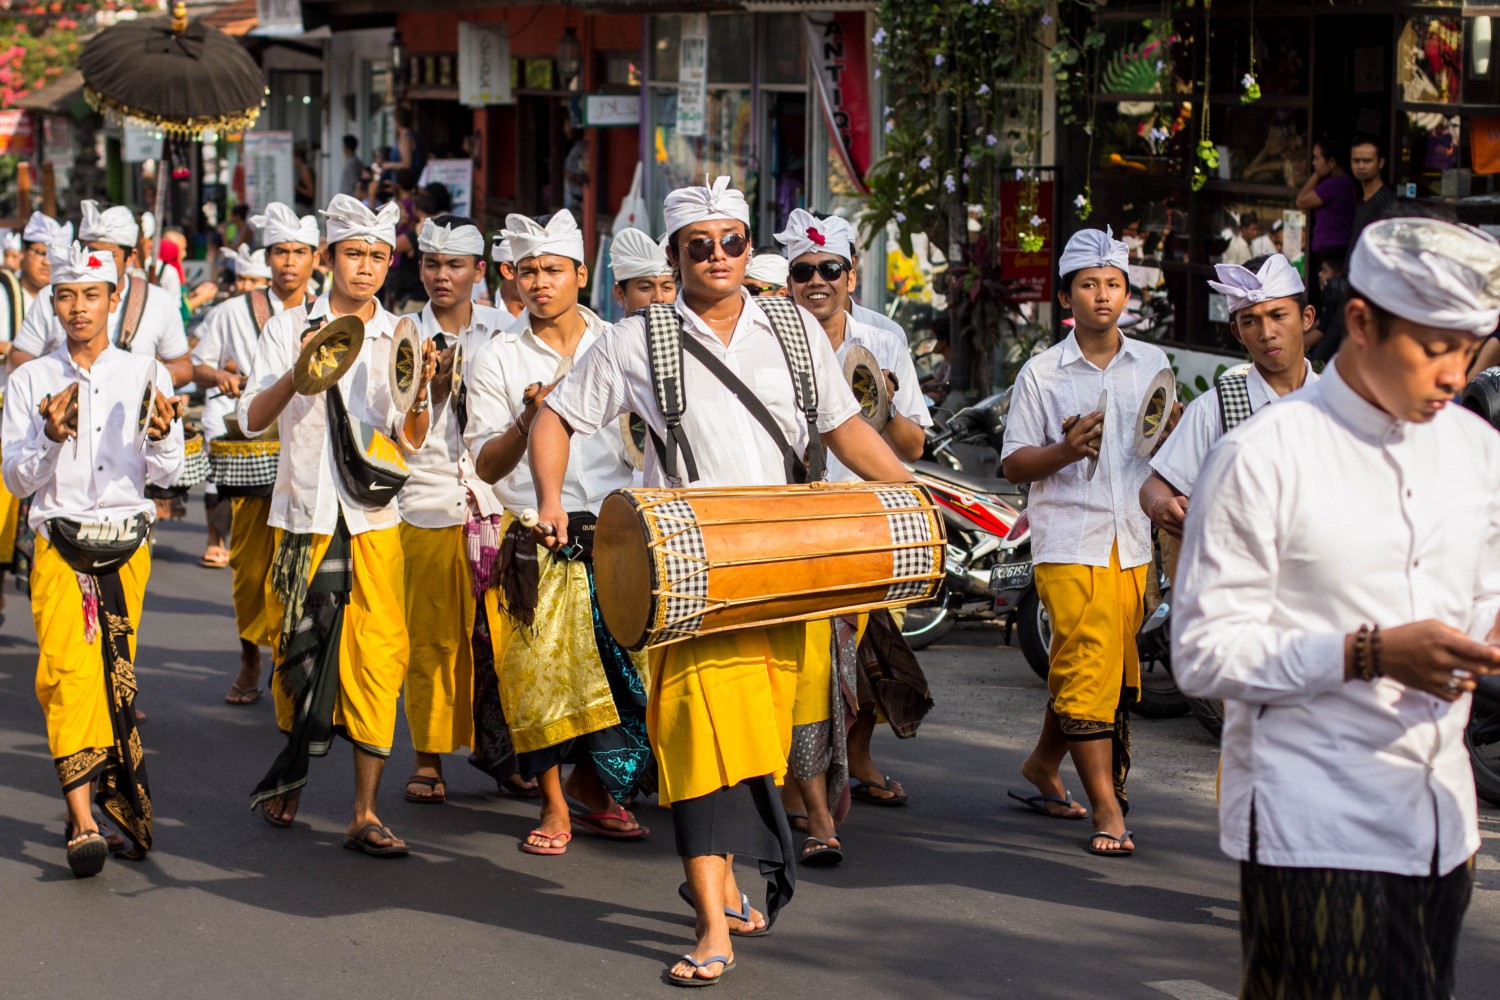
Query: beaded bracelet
(1361, 653)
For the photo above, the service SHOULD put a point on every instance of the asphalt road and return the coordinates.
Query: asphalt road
(956, 895)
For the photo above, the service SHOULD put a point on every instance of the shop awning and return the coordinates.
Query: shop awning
(238, 18)
(63, 96)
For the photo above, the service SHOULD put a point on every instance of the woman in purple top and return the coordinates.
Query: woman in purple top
(1332, 195)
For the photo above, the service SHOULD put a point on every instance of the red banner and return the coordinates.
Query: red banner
(16, 135)
(1027, 275)
(836, 49)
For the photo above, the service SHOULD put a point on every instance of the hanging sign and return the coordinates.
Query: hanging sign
(1025, 275)
(268, 169)
(455, 175)
(483, 65)
(836, 50)
(692, 75)
(16, 134)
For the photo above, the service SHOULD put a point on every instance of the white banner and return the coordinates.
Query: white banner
(483, 65)
(278, 17)
(268, 169)
(692, 75)
(139, 143)
(455, 175)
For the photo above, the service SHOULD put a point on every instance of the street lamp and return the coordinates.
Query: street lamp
(569, 58)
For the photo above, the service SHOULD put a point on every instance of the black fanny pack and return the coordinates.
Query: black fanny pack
(97, 548)
(580, 537)
(369, 463)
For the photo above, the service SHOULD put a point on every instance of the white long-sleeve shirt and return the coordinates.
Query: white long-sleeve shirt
(160, 333)
(891, 352)
(1075, 519)
(101, 475)
(730, 446)
(309, 494)
(1319, 515)
(497, 378)
(442, 471)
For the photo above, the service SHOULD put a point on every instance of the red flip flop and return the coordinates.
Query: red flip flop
(561, 835)
(593, 823)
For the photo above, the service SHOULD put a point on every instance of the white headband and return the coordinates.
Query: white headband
(434, 238)
(1430, 272)
(500, 251)
(1276, 279)
(279, 224)
(1092, 248)
(768, 268)
(528, 238)
(13, 241)
(250, 265)
(114, 225)
(688, 205)
(806, 233)
(72, 264)
(633, 254)
(350, 219)
(148, 225)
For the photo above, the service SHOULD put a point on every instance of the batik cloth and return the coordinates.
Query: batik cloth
(827, 686)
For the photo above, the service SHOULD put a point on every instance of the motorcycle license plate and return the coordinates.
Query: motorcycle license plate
(1010, 576)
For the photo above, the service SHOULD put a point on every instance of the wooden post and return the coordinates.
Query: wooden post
(49, 190)
(23, 190)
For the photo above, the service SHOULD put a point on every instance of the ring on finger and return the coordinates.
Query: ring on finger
(1453, 681)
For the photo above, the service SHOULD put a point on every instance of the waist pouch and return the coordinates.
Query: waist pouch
(96, 548)
(580, 537)
(370, 465)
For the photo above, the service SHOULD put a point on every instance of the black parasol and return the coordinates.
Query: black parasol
(178, 76)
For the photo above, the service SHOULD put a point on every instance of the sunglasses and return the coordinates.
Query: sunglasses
(758, 290)
(702, 248)
(831, 270)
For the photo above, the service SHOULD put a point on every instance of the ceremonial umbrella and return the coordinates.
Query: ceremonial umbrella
(177, 77)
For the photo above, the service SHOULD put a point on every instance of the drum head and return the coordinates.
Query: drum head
(633, 434)
(406, 365)
(868, 383)
(1102, 407)
(622, 571)
(327, 355)
(1156, 408)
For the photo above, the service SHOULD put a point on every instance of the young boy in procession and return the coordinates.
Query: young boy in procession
(336, 580)
(642, 274)
(718, 766)
(571, 694)
(827, 717)
(1338, 589)
(1074, 408)
(145, 320)
(508, 299)
(1268, 315)
(451, 698)
(72, 439)
(227, 340)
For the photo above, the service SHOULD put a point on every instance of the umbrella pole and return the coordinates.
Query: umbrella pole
(162, 167)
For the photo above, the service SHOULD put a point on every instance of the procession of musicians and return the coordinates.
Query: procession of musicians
(666, 559)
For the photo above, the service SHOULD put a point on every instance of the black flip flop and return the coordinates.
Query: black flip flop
(357, 842)
(1118, 852)
(277, 821)
(1038, 804)
(87, 856)
(825, 856)
(506, 788)
(436, 798)
(861, 790)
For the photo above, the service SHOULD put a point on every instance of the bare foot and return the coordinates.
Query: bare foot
(1050, 783)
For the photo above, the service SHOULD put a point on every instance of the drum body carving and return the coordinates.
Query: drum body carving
(676, 564)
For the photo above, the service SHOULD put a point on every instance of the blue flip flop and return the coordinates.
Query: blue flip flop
(742, 914)
(1120, 851)
(697, 980)
(1038, 803)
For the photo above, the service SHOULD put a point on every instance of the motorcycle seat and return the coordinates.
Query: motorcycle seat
(969, 484)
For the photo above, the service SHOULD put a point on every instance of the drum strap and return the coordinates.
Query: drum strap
(135, 308)
(786, 320)
(664, 339)
(259, 304)
(1234, 401)
(15, 301)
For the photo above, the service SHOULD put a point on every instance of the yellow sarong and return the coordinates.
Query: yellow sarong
(10, 519)
(719, 708)
(1095, 614)
(252, 545)
(440, 620)
(814, 699)
(372, 643)
(552, 684)
(70, 670)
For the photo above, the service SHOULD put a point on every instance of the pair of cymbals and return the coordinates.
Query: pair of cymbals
(1151, 420)
(334, 348)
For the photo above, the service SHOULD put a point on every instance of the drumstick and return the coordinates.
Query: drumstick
(528, 518)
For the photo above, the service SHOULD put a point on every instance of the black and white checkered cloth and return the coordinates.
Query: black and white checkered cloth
(685, 569)
(913, 559)
(664, 334)
(787, 323)
(1234, 400)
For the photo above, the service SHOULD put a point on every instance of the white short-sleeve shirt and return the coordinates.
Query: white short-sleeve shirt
(894, 356)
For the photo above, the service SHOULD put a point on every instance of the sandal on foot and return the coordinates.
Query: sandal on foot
(87, 855)
(214, 557)
(798, 822)
(360, 842)
(562, 835)
(1038, 803)
(115, 841)
(742, 915)
(434, 797)
(519, 791)
(1111, 852)
(862, 790)
(695, 979)
(278, 820)
(823, 854)
(593, 823)
(242, 696)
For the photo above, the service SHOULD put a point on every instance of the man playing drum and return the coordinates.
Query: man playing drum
(718, 707)
(570, 693)
(826, 714)
(443, 505)
(78, 435)
(336, 579)
(226, 346)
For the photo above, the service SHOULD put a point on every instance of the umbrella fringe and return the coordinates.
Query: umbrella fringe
(234, 121)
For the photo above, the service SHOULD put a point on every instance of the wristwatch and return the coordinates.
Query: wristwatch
(421, 406)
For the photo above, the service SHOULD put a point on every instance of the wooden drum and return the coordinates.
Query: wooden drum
(677, 564)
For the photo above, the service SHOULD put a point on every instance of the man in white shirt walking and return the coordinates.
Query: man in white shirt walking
(1268, 315)
(1071, 432)
(1337, 589)
(73, 439)
(336, 580)
(227, 341)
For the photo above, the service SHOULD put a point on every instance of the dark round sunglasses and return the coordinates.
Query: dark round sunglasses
(702, 248)
(831, 270)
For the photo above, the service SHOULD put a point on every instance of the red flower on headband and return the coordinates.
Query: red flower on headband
(95, 262)
(816, 236)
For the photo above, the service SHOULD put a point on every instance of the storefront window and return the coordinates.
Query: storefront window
(724, 148)
(666, 30)
(729, 48)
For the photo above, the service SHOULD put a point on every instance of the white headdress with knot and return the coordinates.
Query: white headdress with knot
(1093, 248)
(634, 254)
(350, 219)
(250, 265)
(113, 225)
(465, 239)
(279, 224)
(1276, 279)
(73, 264)
(806, 233)
(688, 205)
(1431, 272)
(529, 238)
